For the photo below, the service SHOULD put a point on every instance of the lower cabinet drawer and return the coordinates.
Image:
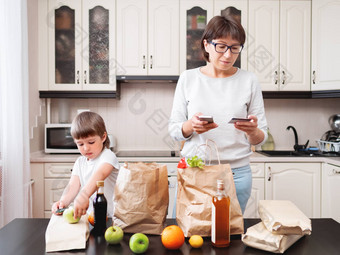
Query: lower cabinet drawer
(53, 190)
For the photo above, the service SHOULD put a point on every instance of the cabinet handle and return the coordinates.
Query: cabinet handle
(276, 77)
(269, 174)
(77, 76)
(283, 77)
(336, 172)
(85, 77)
(71, 169)
(151, 62)
(144, 61)
(313, 77)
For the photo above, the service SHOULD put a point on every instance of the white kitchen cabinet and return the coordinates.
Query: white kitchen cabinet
(257, 191)
(279, 44)
(330, 193)
(238, 9)
(56, 178)
(325, 45)
(297, 182)
(194, 16)
(81, 45)
(147, 37)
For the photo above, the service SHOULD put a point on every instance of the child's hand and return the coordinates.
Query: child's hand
(81, 203)
(57, 205)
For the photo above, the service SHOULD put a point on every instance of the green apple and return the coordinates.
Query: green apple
(139, 243)
(113, 235)
(69, 215)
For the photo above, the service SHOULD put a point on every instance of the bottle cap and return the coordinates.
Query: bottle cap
(100, 183)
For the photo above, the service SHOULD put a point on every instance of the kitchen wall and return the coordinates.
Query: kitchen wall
(139, 120)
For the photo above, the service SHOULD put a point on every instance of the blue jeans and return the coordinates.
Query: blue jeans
(243, 183)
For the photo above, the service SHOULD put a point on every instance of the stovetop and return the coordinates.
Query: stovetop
(147, 153)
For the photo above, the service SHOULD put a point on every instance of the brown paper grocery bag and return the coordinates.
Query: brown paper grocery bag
(284, 217)
(141, 198)
(196, 187)
(258, 236)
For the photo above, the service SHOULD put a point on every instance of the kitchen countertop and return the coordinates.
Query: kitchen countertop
(41, 157)
(27, 236)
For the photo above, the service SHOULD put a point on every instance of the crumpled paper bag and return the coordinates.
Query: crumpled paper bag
(259, 237)
(284, 218)
(141, 198)
(61, 235)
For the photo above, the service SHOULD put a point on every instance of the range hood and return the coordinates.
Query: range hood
(147, 78)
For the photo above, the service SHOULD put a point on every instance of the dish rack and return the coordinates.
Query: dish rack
(326, 146)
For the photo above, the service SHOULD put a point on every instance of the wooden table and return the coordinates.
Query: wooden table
(27, 236)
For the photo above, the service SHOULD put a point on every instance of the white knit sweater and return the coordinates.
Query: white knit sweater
(223, 98)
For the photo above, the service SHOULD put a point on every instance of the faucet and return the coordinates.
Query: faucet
(297, 147)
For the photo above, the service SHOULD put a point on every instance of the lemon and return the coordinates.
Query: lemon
(196, 241)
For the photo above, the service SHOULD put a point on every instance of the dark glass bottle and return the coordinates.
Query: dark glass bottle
(220, 228)
(100, 210)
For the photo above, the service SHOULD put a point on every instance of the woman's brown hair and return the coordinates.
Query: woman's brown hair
(222, 27)
(87, 124)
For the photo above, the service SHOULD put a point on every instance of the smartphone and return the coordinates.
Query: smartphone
(210, 119)
(60, 211)
(233, 120)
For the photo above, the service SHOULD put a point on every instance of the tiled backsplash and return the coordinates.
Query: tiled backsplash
(139, 119)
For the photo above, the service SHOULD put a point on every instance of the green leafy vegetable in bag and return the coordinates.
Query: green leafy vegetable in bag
(195, 162)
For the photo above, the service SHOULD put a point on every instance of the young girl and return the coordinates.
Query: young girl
(97, 163)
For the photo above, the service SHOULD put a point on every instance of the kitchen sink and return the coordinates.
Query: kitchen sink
(306, 153)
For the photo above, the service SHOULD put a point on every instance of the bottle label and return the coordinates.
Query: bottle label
(213, 224)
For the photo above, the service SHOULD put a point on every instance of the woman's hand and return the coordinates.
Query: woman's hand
(255, 135)
(199, 126)
(81, 203)
(195, 125)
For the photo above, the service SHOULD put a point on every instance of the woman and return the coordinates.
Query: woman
(223, 91)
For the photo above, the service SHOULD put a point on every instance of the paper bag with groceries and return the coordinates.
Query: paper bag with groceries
(282, 225)
(196, 187)
(141, 198)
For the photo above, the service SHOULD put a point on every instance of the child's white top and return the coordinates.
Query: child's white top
(85, 168)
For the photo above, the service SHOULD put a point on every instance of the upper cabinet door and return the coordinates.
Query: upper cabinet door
(81, 47)
(263, 49)
(194, 16)
(132, 33)
(295, 37)
(98, 45)
(238, 9)
(148, 38)
(280, 51)
(65, 40)
(325, 45)
(163, 43)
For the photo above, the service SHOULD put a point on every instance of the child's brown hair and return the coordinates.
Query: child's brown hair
(87, 124)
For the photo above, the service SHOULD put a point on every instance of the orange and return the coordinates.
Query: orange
(172, 237)
(91, 218)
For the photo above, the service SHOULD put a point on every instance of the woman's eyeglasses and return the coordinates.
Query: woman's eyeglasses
(222, 48)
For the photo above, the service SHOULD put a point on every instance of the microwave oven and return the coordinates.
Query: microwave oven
(58, 139)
